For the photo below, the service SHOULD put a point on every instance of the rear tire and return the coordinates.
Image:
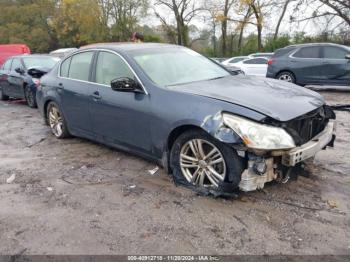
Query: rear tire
(3, 97)
(56, 121)
(286, 76)
(30, 97)
(202, 170)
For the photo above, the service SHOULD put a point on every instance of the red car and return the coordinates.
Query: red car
(7, 51)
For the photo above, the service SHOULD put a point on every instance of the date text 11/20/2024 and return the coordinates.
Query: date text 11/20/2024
(173, 258)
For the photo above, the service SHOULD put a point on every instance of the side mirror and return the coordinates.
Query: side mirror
(347, 57)
(126, 84)
(19, 70)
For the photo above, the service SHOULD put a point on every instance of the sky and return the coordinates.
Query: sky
(310, 27)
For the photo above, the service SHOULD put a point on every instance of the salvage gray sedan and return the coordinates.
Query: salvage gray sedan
(211, 130)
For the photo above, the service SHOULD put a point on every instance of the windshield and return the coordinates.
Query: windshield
(173, 66)
(47, 62)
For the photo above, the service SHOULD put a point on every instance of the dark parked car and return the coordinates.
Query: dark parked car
(306, 64)
(210, 129)
(20, 76)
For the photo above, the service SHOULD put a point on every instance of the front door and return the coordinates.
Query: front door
(307, 64)
(336, 67)
(121, 118)
(16, 82)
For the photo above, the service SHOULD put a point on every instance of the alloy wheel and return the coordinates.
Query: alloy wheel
(202, 163)
(285, 77)
(55, 121)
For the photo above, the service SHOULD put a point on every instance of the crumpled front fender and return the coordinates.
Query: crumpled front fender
(214, 125)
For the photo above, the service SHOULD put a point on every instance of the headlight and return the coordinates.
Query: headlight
(259, 136)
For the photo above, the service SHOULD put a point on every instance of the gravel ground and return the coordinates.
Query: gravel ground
(77, 197)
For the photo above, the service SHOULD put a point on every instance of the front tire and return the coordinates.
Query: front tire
(286, 76)
(198, 160)
(30, 97)
(3, 97)
(56, 121)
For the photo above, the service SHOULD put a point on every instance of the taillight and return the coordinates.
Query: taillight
(270, 61)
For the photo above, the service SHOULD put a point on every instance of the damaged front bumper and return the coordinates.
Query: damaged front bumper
(268, 166)
(310, 148)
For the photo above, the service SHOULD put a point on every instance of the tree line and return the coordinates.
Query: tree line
(213, 27)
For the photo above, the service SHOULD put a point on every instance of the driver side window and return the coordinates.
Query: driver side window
(109, 67)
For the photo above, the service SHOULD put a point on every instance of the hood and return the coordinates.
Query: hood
(280, 100)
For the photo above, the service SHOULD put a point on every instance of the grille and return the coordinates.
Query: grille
(304, 128)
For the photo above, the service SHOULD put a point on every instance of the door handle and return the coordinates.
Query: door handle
(96, 95)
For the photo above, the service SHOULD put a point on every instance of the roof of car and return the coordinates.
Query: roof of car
(62, 50)
(128, 46)
(311, 44)
(27, 55)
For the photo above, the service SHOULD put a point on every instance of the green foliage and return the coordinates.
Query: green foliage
(250, 45)
(153, 38)
(76, 23)
(24, 21)
(272, 44)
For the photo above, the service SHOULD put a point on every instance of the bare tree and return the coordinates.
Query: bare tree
(184, 11)
(260, 10)
(284, 9)
(340, 7)
(227, 6)
(122, 16)
(257, 11)
(242, 25)
(213, 9)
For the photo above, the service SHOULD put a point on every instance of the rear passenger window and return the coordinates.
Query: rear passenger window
(281, 52)
(308, 52)
(80, 66)
(65, 67)
(332, 52)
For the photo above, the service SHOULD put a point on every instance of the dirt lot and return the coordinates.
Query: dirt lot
(76, 197)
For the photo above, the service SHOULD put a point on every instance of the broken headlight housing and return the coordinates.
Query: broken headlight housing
(259, 136)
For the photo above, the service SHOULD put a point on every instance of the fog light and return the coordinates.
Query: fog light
(260, 166)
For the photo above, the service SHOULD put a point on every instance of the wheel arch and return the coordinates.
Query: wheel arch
(176, 132)
(45, 105)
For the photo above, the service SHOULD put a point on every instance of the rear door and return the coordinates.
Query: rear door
(336, 67)
(306, 63)
(16, 79)
(4, 74)
(255, 66)
(74, 88)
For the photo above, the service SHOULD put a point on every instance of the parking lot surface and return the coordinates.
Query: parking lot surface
(73, 196)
